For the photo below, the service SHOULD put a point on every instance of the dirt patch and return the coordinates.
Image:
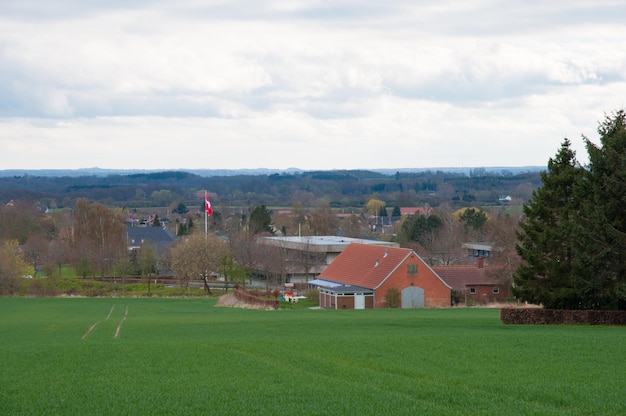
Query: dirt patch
(230, 301)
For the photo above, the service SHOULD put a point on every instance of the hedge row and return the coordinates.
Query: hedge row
(558, 316)
(255, 300)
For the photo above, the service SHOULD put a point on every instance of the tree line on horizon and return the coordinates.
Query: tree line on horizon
(341, 189)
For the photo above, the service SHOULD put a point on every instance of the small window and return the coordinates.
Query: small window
(496, 290)
(412, 269)
(472, 290)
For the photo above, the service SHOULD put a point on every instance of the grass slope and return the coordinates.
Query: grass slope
(185, 356)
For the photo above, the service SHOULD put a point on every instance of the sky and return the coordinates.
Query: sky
(342, 84)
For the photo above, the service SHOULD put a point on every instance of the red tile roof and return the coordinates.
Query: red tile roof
(365, 265)
(460, 276)
(412, 210)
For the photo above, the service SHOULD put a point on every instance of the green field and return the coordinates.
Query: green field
(185, 356)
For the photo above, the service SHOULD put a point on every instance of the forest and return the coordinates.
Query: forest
(341, 189)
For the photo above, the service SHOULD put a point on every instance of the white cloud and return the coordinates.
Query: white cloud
(331, 85)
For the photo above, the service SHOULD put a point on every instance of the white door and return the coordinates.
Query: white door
(359, 301)
(412, 297)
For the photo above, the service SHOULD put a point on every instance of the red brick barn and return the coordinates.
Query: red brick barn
(478, 284)
(361, 276)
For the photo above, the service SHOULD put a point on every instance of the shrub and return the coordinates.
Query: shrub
(313, 295)
(561, 316)
(393, 297)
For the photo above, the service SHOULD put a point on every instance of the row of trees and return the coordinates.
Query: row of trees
(573, 240)
(92, 239)
(341, 189)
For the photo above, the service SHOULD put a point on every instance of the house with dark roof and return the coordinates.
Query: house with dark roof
(159, 237)
(477, 283)
(362, 275)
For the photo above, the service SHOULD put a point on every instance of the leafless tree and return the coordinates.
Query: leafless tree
(243, 247)
(99, 235)
(198, 256)
(270, 261)
(306, 259)
(323, 221)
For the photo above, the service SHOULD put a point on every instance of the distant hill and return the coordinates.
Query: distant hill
(99, 172)
(279, 188)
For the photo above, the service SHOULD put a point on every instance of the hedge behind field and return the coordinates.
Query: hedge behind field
(561, 317)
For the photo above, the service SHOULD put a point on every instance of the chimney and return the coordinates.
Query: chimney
(480, 262)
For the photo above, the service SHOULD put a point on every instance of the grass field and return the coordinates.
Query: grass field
(184, 356)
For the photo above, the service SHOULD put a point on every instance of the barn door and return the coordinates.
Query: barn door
(359, 301)
(412, 297)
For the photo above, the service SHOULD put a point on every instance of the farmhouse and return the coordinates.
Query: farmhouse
(160, 238)
(362, 275)
(479, 283)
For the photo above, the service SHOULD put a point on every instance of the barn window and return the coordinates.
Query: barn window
(412, 269)
(472, 290)
(496, 290)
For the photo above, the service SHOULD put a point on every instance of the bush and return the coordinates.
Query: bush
(393, 298)
(313, 295)
(561, 316)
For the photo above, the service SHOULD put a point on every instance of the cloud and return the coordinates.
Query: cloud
(359, 84)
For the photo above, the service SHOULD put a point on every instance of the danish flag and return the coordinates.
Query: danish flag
(207, 205)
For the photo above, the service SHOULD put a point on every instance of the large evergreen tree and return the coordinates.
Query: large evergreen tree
(421, 229)
(546, 236)
(601, 242)
(260, 220)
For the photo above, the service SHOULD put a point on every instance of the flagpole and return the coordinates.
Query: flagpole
(206, 217)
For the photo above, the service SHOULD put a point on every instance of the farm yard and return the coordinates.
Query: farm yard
(124, 356)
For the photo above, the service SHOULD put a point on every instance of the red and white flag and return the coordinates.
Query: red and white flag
(207, 205)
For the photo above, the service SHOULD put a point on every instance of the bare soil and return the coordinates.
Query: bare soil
(230, 301)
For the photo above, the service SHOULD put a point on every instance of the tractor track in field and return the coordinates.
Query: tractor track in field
(119, 325)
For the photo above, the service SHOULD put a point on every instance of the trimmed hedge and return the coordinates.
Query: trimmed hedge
(561, 317)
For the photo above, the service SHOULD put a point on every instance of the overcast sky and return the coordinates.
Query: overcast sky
(342, 84)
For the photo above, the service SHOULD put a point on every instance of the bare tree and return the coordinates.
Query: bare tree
(323, 221)
(353, 226)
(19, 220)
(271, 263)
(147, 262)
(59, 253)
(99, 235)
(502, 233)
(306, 259)
(198, 256)
(244, 249)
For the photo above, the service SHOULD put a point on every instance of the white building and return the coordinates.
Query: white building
(314, 253)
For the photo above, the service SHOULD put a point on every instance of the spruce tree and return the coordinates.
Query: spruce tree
(546, 236)
(260, 220)
(601, 243)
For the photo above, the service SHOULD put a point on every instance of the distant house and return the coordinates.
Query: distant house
(477, 251)
(475, 283)
(361, 276)
(410, 211)
(161, 238)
